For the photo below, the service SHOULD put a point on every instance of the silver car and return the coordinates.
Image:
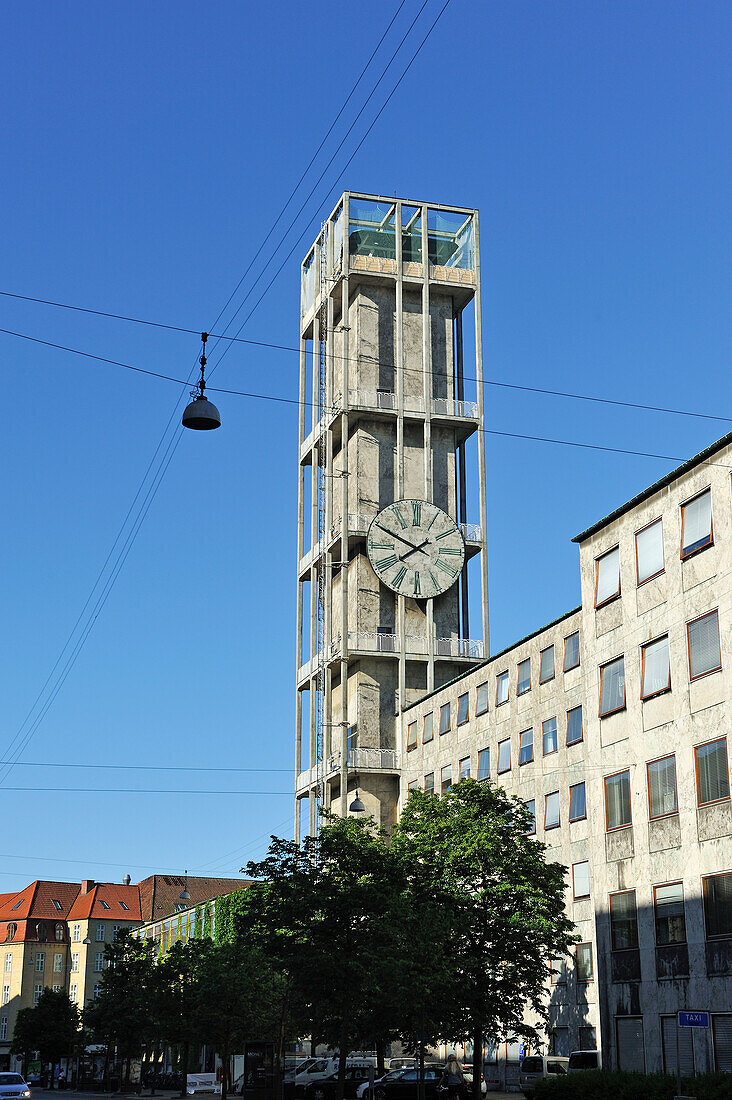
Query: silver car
(12, 1084)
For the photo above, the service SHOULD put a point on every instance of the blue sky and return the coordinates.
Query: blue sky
(147, 149)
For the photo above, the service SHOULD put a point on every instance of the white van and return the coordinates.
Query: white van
(320, 1068)
(536, 1066)
(584, 1059)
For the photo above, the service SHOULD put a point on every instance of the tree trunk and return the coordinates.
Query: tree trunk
(225, 1058)
(105, 1070)
(380, 1063)
(342, 1057)
(420, 1057)
(51, 1078)
(477, 1058)
(128, 1066)
(184, 1069)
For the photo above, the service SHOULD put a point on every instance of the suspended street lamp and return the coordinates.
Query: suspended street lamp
(184, 895)
(201, 414)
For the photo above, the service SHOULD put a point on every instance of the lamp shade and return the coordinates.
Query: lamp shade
(201, 415)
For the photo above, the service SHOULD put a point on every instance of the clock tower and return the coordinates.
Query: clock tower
(392, 491)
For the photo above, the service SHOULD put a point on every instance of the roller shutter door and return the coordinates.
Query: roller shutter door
(630, 1048)
(722, 1038)
(686, 1047)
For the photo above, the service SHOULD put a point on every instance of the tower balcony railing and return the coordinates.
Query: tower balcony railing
(471, 532)
(414, 646)
(365, 759)
(386, 400)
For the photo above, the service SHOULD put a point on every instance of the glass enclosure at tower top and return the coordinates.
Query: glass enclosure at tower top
(381, 236)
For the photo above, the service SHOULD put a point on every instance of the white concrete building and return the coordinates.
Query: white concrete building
(612, 723)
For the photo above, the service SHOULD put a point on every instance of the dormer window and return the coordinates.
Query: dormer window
(104, 904)
(57, 905)
(125, 906)
(18, 904)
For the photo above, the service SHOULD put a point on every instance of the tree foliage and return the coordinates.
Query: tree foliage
(51, 1027)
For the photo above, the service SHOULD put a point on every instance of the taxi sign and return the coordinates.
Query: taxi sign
(693, 1019)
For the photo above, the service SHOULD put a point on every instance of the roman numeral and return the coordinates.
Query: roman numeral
(386, 563)
(449, 569)
(432, 520)
(450, 531)
(434, 579)
(417, 589)
(416, 513)
(397, 580)
(381, 545)
(448, 550)
(399, 516)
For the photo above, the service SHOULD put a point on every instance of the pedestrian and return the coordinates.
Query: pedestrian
(453, 1078)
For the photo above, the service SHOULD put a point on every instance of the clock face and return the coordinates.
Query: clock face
(415, 549)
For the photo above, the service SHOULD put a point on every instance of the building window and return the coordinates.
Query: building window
(655, 668)
(549, 736)
(673, 1039)
(116, 929)
(10, 931)
(501, 688)
(97, 989)
(551, 810)
(668, 903)
(662, 787)
(465, 768)
(649, 552)
(703, 642)
(484, 763)
(722, 1041)
(8, 962)
(523, 683)
(623, 920)
(557, 971)
(617, 801)
(427, 732)
(57, 905)
(577, 804)
(530, 805)
(99, 962)
(712, 772)
(583, 961)
(612, 687)
(571, 651)
(546, 664)
(40, 961)
(581, 880)
(463, 708)
(104, 904)
(429, 783)
(124, 904)
(558, 1044)
(446, 778)
(3, 1027)
(411, 736)
(444, 718)
(696, 524)
(59, 932)
(6, 994)
(100, 933)
(72, 993)
(58, 963)
(504, 755)
(574, 725)
(587, 1037)
(76, 933)
(37, 991)
(717, 891)
(607, 577)
(629, 1044)
(481, 698)
(412, 785)
(75, 962)
(526, 747)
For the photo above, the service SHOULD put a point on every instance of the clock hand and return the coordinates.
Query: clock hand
(414, 550)
(400, 537)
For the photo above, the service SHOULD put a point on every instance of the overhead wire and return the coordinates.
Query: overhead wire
(162, 468)
(139, 767)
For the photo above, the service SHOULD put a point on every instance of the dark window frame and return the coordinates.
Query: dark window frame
(582, 726)
(712, 741)
(644, 647)
(575, 895)
(463, 721)
(525, 690)
(617, 894)
(710, 542)
(499, 677)
(615, 595)
(558, 825)
(705, 879)
(657, 760)
(499, 769)
(584, 943)
(529, 729)
(659, 886)
(565, 666)
(627, 824)
(710, 671)
(548, 679)
(616, 710)
(478, 709)
(662, 570)
(582, 817)
(412, 726)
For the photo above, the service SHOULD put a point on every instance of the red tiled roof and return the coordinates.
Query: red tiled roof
(90, 904)
(160, 894)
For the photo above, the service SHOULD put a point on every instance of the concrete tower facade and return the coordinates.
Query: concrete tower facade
(383, 610)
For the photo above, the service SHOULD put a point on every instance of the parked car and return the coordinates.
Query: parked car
(12, 1084)
(402, 1063)
(584, 1059)
(326, 1067)
(327, 1087)
(537, 1066)
(405, 1084)
(390, 1074)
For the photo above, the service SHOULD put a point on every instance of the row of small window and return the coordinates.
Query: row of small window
(712, 785)
(697, 533)
(463, 714)
(101, 933)
(705, 657)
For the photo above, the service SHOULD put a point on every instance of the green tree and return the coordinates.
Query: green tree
(322, 911)
(502, 902)
(123, 1012)
(51, 1027)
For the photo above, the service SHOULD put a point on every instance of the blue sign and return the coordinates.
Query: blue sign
(522, 1052)
(693, 1019)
